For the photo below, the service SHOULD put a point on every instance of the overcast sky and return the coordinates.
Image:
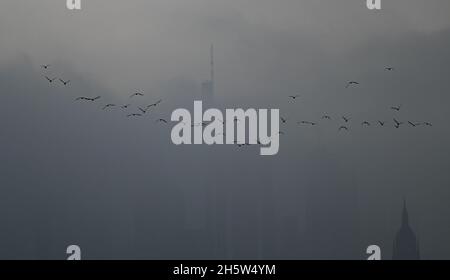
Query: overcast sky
(129, 43)
(73, 172)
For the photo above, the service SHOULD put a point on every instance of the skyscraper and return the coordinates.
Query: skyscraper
(406, 246)
(208, 86)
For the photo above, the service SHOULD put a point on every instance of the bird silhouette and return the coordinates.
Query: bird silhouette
(326, 117)
(396, 108)
(88, 98)
(427, 124)
(136, 94)
(144, 111)
(242, 144)
(307, 122)
(413, 124)
(50, 80)
(346, 119)
(239, 144)
(293, 97)
(161, 121)
(46, 66)
(343, 127)
(109, 106)
(352, 83)
(154, 104)
(203, 124)
(381, 123)
(64, 82)
(365, 123)
(134, 115)
(126, 106)
(283, 120)
(389, 68)
(397, 123)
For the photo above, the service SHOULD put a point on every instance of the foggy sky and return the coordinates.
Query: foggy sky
(73, 173)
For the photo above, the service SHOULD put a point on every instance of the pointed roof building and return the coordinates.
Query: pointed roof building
(406, 245)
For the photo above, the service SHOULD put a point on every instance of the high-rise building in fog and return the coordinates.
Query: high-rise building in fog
(208, 86)
(406, 245)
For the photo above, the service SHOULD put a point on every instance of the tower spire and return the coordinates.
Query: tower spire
(405, 216)
(406, 245)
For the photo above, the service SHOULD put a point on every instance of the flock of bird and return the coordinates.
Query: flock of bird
(344, 126)
(142, 110)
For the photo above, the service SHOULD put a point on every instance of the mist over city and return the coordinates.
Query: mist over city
(87, 156)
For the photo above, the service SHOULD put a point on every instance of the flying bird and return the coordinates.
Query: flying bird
(397, 123)
(293, 97)
(413, 124)
(381, 123)
(109, 106)
(326, 117)
(346, 119)
(283, 120)
(126, 106)
(142, 110)
(136, 94)
(427, 124)
(306, 122)
(50, 80)
(154, 104)
(352, 83)
(343, 128)
(161, 121)
(45, 66)
(202, 124)
(87, 98)
(389, 68)
(239, 144)
(64, 82)
(365, 123)
(396, 108)
(134, 115)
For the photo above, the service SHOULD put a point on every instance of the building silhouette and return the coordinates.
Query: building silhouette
(406, 245)
(208, 86)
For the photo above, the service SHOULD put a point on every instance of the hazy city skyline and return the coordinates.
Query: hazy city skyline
(74, 173)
